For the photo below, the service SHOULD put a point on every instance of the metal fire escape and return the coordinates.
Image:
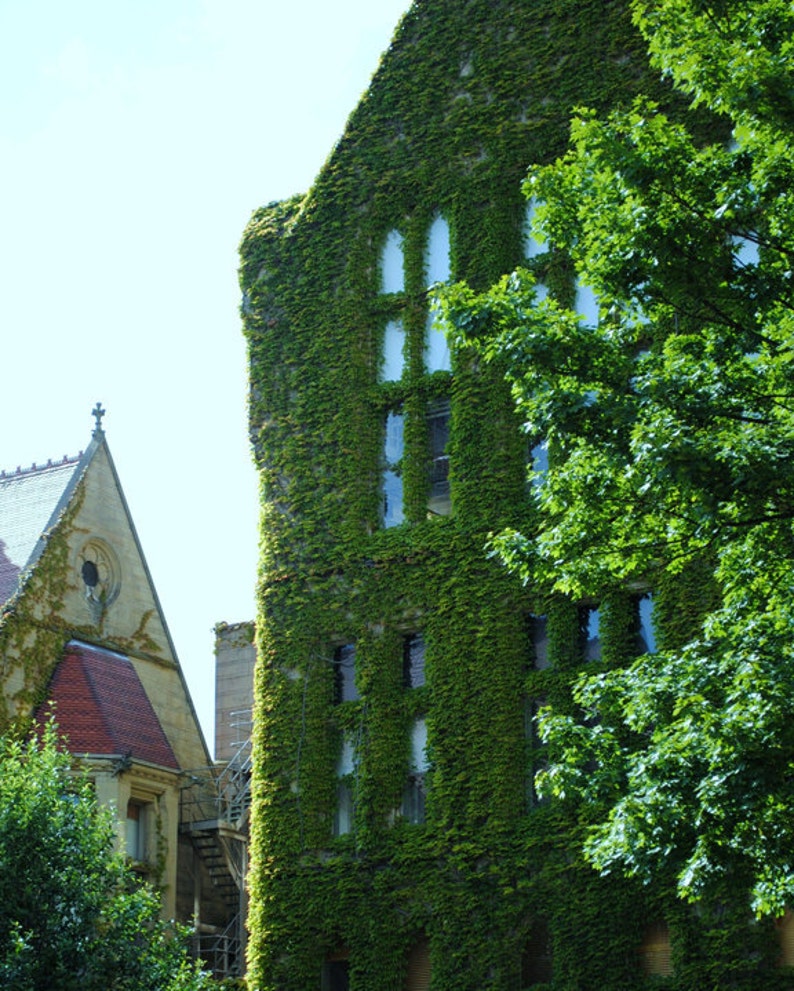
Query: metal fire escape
(214, 814)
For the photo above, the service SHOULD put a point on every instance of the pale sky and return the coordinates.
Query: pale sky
(136, 138)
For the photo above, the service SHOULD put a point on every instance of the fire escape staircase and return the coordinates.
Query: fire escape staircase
(215, 810)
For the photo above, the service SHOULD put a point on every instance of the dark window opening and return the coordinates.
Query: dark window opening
(646, 640)
(439, 503)
(539, 641)
(90, 574)
(414, 661)
(536, 961)
(589, 623)
(345, 689)
(413, 806)
(336, 973)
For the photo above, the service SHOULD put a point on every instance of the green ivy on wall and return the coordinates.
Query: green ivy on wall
(467, 97)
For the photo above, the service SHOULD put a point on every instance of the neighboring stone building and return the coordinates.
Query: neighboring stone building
(397, 842)
(235, 655)
(83, 637)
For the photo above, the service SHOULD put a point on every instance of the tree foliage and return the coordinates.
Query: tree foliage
(670, 426)
(71, 913)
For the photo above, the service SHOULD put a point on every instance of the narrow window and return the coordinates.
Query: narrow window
(392, 279)
(589, 622)
(345, 689)
(345, 769)
(539, 640)
(437, 356)
(136, 828)
(536, 962)
(418, 966)
(534, 245)
(393, 352)
(437, 263)
(745, 250)
(539, 462)
(414, 661)
(646, 640)
(586, 304)
(336, 971)
(392, 473)
(413, 805)
(440, 503)
(655, 952)
(538, 758)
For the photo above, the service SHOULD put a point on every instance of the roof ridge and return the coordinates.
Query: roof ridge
(20, 471)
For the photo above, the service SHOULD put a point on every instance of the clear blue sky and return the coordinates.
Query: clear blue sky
(136, 137)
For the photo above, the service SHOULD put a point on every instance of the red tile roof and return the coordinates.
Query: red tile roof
(101, 707)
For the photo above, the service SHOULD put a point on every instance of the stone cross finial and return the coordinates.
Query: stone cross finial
(97, 412)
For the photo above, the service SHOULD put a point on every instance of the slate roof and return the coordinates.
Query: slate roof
(101, 707)
(31, 500)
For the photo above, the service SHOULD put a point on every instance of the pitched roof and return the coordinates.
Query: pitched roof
(101, 707)
(31, 500)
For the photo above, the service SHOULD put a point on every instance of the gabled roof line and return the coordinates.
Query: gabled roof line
(65, 460)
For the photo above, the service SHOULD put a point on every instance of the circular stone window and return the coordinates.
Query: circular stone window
(99, 572)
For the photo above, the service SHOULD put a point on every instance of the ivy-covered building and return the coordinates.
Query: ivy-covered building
(397, 841)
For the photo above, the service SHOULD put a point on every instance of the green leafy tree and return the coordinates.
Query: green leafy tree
(670, 426)
(72, 916)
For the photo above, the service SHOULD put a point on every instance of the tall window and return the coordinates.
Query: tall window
(413, 805)
(345, 689)
(439, 503)
(533, 246)
(393, 351)
(589, 627)
(414, 661)
(646, 639)
(655, 951)
(392, 470)
(536, 961)
(392, 279)
(417, 976)
(345, 770)
(413, 347)
(336, 971)
(539, 641)
(586, 304)
(438, 269)
(136, 829)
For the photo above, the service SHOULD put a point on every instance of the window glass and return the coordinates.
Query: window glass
(532, 246)
(336, 975)
(392, 477)
(345, 768)
(413, 803)
(419, 760)
(418, 967)
(745, 251)
(586, 304)
(655, 952)
(392, 279)
(345, 673)
(540, 642)
(539, 462)
(437, 356)
(135, 845)
(393, 351)
(437, 264)
(414, 661)
(646, 641)
(536, 961)
(440, 503)
(589, 621)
